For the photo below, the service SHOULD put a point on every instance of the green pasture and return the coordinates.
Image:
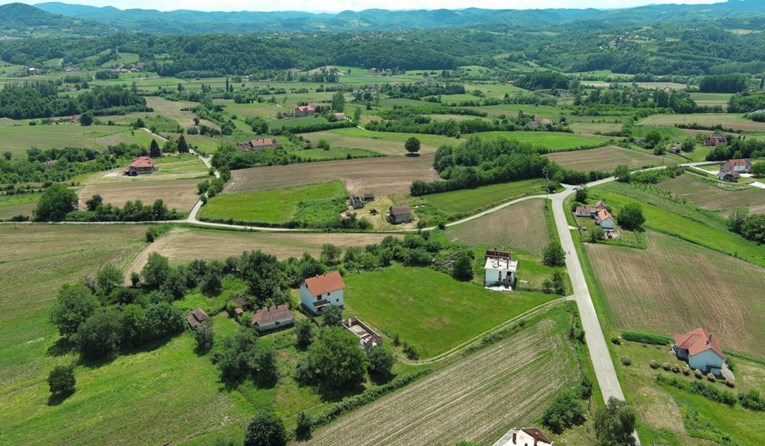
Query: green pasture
(549, 140)
(13, 205)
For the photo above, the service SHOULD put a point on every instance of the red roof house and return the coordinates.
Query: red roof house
(256, 145)
(141, 165)
(320, 291)
(272, 318)
(738, 166)
(700, 349)
(303, 110)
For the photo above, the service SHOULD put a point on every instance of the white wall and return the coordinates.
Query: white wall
(705, 359)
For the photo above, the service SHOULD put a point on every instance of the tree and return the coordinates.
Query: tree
(7, 155)
(330, 254)
(463, 267)
(338, 102)
(304, 332)
(61, 380)
(554, 255)
(652, 140)
(86, 119)
(265, 429)
(99, 336)
(622, 173)
(304, 426)
(94, 202)
(337, 358)
(156, 270)
(614, 424)
(332, 316)
(565, 411)
(357, 114)
(204, 335)
(132, 325)
(108, 278)
(581, 194)
(758, 169)
(412, 145)
(75, 304)
(183, 146)
(381, 361)
(559, 282)
(631, 217)
(688, 146)
(597, 234)
(154, 150)
(57, 201)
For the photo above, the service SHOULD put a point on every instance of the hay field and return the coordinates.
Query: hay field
(383, 146)
(177, 194)
(381, 176)
(478, 398)
(604, 159)
(521, 225)
(734, 121)
(675, 285)
(706, 195)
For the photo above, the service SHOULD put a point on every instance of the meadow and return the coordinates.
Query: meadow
(604, 159)
(733, 121)
(704, 193)
(17, 136)
(13, 205)
(553, 141)
(440, 312)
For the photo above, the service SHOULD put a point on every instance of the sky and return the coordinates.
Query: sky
(358, 5)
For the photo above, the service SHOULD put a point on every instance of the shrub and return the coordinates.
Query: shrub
(710, 377)
(304, 426)
(265, 429)
(665, 366)
(697, 373)
(61, 380)
(564, 412)
(645, 338)
(675, 369)
(752, 400)
(699, 388)
(653, 364)
(686, 371)
(616, 341)
(730, 383)
(626, 361)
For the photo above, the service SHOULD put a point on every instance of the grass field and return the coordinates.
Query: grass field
(279, 206)
(705, 194)
(518, 226)
(13, 205)
(177, 194)
(734, 121)
(336, 139)
(548, 140)
(19, 137)
(478, 398)
(711, 99)
(604, 159)
(428, 309)
(381, 176)
(675, 286)
(334, 153)
(433, 141)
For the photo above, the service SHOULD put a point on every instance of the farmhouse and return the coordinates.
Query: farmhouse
(738, 166)
(715, 140)
(272, 318)
(499, 269)
(256, 145)
(303, 110)
(196, 318)
(320, 291)
(400, 214)
(733, 177)
(701, 350)
(141, 165)
(540, 123)
(527, 436)
(584, 212)
(368, 338)
(605, 219)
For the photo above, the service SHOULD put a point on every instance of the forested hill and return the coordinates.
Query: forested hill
(20, 20)
(195, 22)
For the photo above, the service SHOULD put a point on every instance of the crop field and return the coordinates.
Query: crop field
(177, 194)
(604, 159)
(478, 398)
(277, 206)
(538, 111)
(705, 194)
(13, 205)
(376, 145)
(711, 99)
(381, 176)
(591, 128)
(547, 140)
(174, 110)
(518, 226)
(675, 285)
(426, 140)
(734, 121)
(431, 310)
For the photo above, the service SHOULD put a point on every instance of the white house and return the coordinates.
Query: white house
(320, 291)
(701, 350)
(605, 219)
(528, 436)
(499, 269)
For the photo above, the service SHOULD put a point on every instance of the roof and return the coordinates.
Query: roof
(400, 210)
(536, 434)
(740, 162)
(241, 302)
(196, 317)
(583, 210)
(142, 162)
(304, 108)
(726, 174)
(697, 341)
(601, 204)
(261, 142)
(325, 283)
(270, 315)
(604, 215)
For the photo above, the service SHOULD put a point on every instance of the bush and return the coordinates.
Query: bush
(686, 371)
(752, 400)
(653, 364)
(711, 377)
(697, 373)
(730, 383)
(61, 380)
(564, 412)
(675, 369)
(616, 341)
(666, 366)
(645, 338)
(304, 426)
(626, 361)
(265, 429)
(709, 392)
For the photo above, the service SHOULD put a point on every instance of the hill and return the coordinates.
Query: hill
(20, 20)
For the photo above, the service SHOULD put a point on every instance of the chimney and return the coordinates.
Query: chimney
(514, 434)
(709, 339)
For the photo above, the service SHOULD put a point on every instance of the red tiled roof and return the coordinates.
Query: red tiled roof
(304, 108)
(536, 434)
(142, 162)
(324, 284)
(261, 142)
(604, 215)
(270, 315)
(697, 341)
(730, 164)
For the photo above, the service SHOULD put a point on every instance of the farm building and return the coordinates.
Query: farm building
(400, 214)
(527, 436)
(584, 212)
(340, 116)
(196, 318)
(605, 220)
(738, 166)
(540, 123)
(272, 318)
(320, 291)
(303, 110)
(357, 202)
(733, 177)
(715, 140)
(256, 145)
(674, 149)
(141, 165)
(368, 338)
(701, 350)
(499, 269)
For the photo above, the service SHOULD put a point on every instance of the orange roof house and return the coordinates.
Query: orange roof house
(700, 349)
(141, 165)
(321, 291)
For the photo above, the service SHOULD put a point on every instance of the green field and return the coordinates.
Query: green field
(19, 137)
(314, 203)
(13, 205)
(428, 309)
(706, 193)
(734, 121)
(548, 140)
(431, 140)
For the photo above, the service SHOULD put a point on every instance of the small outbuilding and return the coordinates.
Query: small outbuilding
(731, 176)
(196, 318)
(400, 214)
(499, 269)
(273, 318)
(368, 338)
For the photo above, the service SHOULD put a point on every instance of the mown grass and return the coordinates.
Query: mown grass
(19, 137)
(548, 140)
(314, 203)
(13, 205)
(431, 310)
(334, 153)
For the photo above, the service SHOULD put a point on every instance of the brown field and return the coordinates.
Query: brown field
(521, 226)
(675, 285)
(177, 194)
(172, 110)
(604, 159)
(381, 176)
(734, 121)
(589, 128)
(386, 147)
(706, 195)
(478, 398)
